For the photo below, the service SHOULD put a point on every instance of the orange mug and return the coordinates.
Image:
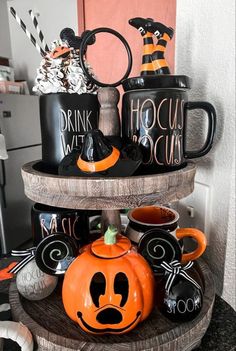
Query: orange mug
(159, 217)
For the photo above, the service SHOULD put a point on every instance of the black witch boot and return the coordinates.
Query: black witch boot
(163, 34)
(148, 46)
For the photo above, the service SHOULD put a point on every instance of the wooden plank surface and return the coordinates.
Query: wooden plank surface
(107, 193)
(107, 56)
(54, 331)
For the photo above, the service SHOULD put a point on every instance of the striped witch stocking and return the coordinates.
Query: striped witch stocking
(148, 46)
(163, 34)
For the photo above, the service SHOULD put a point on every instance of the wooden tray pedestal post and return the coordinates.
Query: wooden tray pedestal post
(110, 217)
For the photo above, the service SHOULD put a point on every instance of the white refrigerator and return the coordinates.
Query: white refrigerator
(20, 124)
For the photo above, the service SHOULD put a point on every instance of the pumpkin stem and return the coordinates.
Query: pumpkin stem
(110, 235)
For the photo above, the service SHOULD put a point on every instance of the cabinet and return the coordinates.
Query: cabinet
(116, 14)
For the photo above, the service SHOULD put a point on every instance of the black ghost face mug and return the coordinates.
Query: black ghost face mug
(154, 114)
(144, 219)
(47, 220)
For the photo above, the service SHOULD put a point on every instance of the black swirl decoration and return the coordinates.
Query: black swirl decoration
(158, 245)
(55, 253)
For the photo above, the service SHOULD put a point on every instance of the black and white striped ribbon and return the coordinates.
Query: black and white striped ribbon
(39, 31)
(29, 35)
(174, 269)
(29, 255)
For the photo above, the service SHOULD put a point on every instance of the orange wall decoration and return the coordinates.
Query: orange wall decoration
(107, 55)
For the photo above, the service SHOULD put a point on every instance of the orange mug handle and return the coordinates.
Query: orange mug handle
(196, 234)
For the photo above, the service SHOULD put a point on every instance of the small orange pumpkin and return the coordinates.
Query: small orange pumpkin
(109, 288)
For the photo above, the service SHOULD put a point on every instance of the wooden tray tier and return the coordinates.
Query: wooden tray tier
(107, 193)
(54, 331)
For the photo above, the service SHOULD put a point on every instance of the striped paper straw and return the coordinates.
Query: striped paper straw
(29, 35)
(40, 33)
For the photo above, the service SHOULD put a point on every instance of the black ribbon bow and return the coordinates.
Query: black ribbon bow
(29, 255)
(174, 269)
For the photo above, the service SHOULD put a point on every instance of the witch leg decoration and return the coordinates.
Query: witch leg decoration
(163, 34)
(148, 46)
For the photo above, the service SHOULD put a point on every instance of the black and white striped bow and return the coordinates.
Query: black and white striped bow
(174, 269)
(29, 255)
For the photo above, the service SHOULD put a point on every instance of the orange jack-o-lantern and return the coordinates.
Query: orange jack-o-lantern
(109, 288)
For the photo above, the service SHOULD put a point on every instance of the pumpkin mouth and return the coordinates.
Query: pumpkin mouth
(106, 330)
(109, 315)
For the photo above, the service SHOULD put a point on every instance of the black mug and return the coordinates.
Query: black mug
(154, 114)
(47, 220)
(64, 119)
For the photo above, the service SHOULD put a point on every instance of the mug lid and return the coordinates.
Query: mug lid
(157, 246)
(161, 81)
(118, 249)
(55, 253)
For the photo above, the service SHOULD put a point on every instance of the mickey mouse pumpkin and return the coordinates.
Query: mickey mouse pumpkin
(109, 288)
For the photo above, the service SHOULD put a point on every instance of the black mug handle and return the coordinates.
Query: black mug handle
(211, 114)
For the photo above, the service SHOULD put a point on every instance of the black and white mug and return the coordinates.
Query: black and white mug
(47, 220)
(65, 119)
(144, 220)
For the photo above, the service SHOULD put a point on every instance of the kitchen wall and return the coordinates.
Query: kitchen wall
(54, 15)
(205, 50)
(5, 47)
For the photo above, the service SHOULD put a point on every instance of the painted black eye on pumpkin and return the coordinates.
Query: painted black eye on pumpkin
(97, 287)
(121, 286)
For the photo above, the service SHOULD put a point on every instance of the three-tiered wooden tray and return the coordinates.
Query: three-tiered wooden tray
(47, 320)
